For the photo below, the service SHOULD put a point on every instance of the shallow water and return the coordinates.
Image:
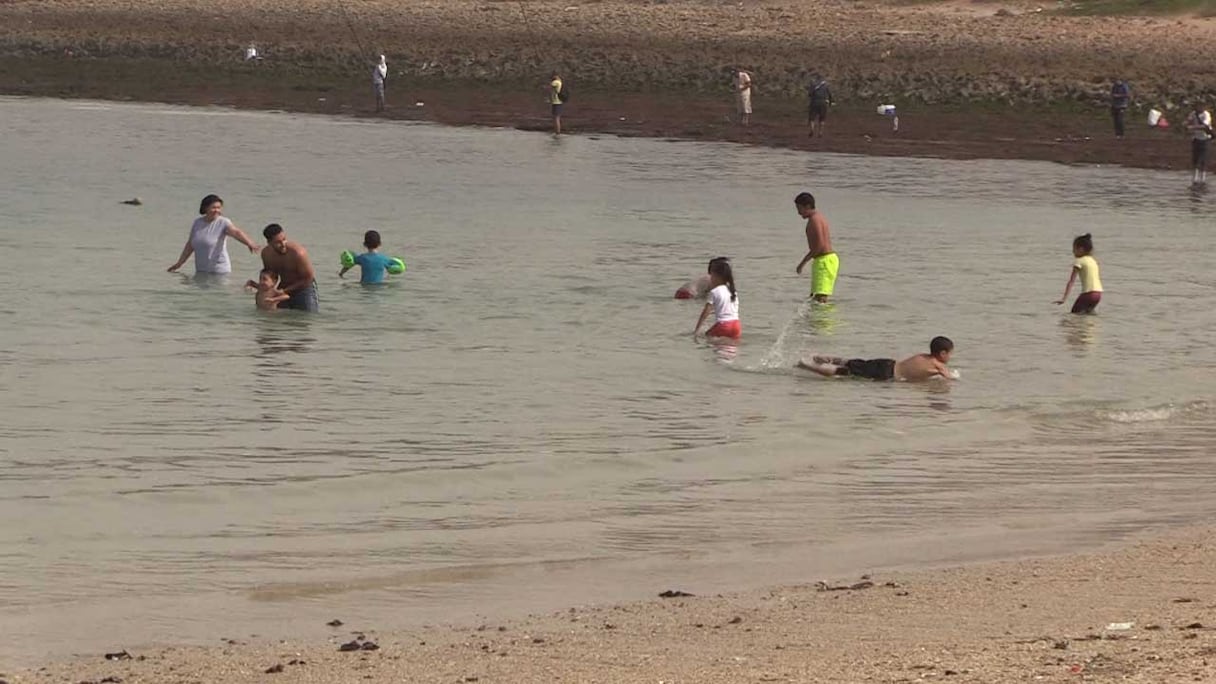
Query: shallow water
(523, 421)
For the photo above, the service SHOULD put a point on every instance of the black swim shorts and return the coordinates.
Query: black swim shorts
(872, 369)
(817, 112)
(1199, 153)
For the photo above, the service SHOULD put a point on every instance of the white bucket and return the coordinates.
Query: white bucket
(1154, 117)
(886, 110)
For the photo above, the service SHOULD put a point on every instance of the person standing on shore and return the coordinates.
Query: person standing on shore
(290, 260)
(1199, 123)
(825, 264)
(379, 74)
(741, 82)
(208, 240)
(1120, 98)
(557, 98)
(820, 99)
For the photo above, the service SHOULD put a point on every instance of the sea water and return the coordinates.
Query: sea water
(523, 420)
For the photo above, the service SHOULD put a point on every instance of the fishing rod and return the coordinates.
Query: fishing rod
(350, 25)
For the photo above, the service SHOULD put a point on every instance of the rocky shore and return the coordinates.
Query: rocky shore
(971, 79)
(933, 53)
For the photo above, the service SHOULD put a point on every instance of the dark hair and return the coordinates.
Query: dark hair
(207, 202)
(721, 268)
(1085, 243)
(269, 272)
(805, 199)
(940, 344)
(272, 230)
(371, 239)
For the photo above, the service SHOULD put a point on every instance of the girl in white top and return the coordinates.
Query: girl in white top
(723, 302)
(208, 240)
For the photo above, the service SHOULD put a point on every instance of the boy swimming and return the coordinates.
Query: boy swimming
(915, 368)
(268, 294)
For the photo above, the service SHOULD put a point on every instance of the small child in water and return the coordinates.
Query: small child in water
(912, 369)
(373, 265)
(723, 302)
(697, 288)
(1085, 267)
(267, 295)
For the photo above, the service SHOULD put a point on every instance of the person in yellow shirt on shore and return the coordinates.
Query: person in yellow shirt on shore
(1084, 267)
(557, 98)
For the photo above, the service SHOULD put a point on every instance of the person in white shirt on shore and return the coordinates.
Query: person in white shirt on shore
(379, 73)
(741, 83)
(1199, 123)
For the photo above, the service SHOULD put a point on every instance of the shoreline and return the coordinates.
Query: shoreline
(1060, 618)
(961, 132)
(971, 80)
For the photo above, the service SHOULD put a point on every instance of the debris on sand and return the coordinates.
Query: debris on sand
(824, 586)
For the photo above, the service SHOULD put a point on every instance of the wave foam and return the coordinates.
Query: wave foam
(1153, 414)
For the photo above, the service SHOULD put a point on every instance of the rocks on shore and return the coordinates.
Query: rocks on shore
(936, 54)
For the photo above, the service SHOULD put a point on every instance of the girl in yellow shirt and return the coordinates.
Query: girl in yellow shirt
(1085, 267)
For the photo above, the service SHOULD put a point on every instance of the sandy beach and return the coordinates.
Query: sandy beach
(970, 79)
(1141, 613)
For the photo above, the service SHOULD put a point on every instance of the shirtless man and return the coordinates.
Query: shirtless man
(290, 261)
(824, 262)
(912, 369)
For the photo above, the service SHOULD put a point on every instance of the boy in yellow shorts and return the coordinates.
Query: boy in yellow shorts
(824, 262)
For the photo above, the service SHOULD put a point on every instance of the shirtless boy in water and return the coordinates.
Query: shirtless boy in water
(912, 369)
(268, 294)
(825, 264)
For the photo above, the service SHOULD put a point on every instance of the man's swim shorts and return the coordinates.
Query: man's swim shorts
(823, 273)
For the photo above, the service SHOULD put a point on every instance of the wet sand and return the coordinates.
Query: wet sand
(979, 79)
(1141, 613)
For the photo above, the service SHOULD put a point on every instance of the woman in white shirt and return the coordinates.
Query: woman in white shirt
(723, 302)
(208, 240)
